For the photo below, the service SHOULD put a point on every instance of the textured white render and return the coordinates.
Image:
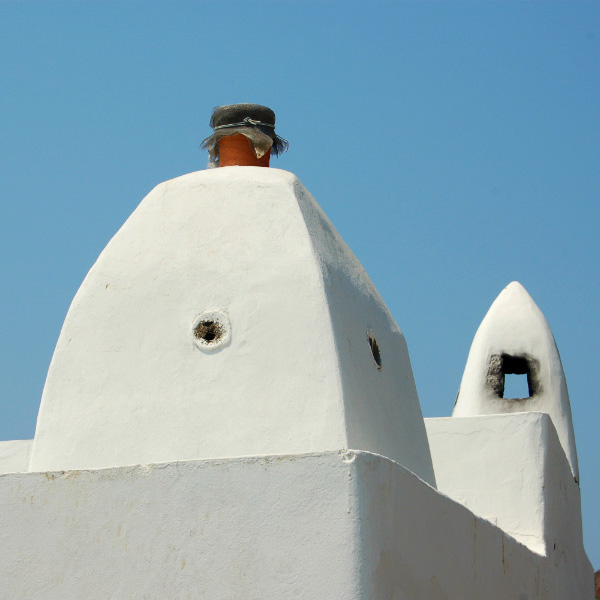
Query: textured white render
(218, 360)
(14, 456)
(128, 384)
(515, 326)
(420, 545)
(256, 529)
(511, 470)
(340, 526)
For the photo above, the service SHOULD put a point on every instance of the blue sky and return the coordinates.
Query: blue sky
(455, 146)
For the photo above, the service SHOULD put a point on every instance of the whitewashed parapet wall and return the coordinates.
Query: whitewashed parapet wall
(511, 470)
(14, 456)
(227, 318)
(338, 525)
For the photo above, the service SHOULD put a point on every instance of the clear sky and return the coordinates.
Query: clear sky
(455, 146)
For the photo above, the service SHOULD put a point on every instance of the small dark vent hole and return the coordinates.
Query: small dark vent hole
(209, 331)
(516, 386)
(375, 350)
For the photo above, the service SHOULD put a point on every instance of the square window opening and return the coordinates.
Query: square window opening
(516, 386)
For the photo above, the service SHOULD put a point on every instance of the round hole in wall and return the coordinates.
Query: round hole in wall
(374, 348)
(211, 330)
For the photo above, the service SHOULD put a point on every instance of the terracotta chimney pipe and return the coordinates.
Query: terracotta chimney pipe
(244, 135)
(238, 150)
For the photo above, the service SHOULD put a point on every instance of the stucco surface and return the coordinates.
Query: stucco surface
(14, 456)
(420, 545)
(343, 525)
(127, 384)
(382, 408)
(267, 528)
(227, 321)
(514, 325)
(511, 470)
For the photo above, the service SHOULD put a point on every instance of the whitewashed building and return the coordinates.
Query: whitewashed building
(231, 412)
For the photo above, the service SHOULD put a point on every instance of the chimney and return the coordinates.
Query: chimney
(244, 135)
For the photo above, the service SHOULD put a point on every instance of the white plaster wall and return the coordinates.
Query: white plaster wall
(342, 525)
(127, 385)
(256, 529)
(515, 325)
(382, 408)
(420, 545)
(564, 528)
(511, 470)
(14, 456)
